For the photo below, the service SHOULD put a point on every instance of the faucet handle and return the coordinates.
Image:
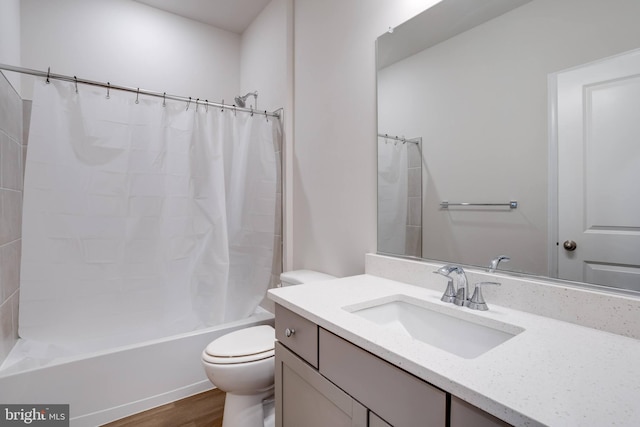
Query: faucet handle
(450, 293)
(477, 301)
(445, 270)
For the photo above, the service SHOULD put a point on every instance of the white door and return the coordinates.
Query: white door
(598, 125)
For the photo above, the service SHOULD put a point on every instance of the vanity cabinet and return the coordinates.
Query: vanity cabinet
(393, 394)
(306, 398)
(298, 334)
(464, 415)
(324, 380)
(376, 421)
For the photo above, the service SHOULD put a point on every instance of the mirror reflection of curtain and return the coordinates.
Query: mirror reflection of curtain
(392, 196)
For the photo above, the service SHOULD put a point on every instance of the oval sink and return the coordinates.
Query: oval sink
(414, 318)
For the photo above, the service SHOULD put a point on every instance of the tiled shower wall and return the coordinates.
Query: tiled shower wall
(413, 241)
(276, 267)
(12, 156)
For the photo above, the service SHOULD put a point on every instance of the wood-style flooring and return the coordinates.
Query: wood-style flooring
(202, 410)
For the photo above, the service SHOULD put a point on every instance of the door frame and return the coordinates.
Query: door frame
(552, 165)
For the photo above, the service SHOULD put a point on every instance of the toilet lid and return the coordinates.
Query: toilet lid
(254, 343)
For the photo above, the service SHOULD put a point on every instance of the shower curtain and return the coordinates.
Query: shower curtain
(392, 196)
(142, 220)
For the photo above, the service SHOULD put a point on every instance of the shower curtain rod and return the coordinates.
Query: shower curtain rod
(401, 139)
(137, 91)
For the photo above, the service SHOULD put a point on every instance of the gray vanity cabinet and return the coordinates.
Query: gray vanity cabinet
(393, 394)
(303, 396)
(376, 421)
(306, 398)
(324, 380)
(465, 415)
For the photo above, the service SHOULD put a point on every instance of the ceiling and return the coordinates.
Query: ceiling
(230, 15)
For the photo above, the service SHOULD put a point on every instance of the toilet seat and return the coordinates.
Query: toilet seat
(242, 346)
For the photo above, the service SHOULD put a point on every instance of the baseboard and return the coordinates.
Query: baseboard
(111, 414)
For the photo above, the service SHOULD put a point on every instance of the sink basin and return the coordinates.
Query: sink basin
(429, 323)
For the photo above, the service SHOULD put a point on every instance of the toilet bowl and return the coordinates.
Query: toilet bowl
(242, 364)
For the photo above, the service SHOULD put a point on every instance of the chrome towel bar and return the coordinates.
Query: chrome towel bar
(513, 204)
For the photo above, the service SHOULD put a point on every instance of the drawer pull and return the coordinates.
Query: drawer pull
(289, 332)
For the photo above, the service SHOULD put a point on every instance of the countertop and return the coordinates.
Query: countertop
(553, 373)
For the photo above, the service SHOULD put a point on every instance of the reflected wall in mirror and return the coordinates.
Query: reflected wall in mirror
(399, 195)
(477, 83)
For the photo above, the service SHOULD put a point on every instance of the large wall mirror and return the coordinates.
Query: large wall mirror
(528, 117)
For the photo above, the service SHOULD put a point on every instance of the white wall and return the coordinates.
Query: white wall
(10, 38)
(334, 165)
(264, 57)
(130, 44)
(480, 102)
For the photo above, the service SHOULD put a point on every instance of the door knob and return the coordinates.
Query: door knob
(570, 245)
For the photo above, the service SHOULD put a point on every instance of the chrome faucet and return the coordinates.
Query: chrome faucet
(459, 295)
(494, 262)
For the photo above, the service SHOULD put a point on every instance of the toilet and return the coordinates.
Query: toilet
(242, 363)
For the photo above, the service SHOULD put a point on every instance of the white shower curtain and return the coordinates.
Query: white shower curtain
(142, 220)
(392, 196)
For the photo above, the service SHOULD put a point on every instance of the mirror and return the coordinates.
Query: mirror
(480, 83)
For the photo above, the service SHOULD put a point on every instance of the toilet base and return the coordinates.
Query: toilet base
(245, 410)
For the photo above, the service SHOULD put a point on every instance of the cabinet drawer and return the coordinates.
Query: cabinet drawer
(304, 337)
(463, 414)
(397, 396)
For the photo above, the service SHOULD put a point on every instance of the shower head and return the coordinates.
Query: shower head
(241, 101)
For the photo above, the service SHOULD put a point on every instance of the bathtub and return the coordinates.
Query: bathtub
(104, 386)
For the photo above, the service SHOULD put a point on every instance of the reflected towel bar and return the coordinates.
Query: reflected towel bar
(513, 204)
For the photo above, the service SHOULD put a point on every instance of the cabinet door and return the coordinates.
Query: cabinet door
(395, 395)
(376, 421)
(463, 415)
(305, 398)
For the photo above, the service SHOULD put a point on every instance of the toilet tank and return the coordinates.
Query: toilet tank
(297, 277)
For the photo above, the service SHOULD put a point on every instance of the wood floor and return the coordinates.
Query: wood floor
(202, 410)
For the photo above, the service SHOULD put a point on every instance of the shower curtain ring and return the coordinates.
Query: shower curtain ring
(137, 95)
(222, 109)
(48, 72)
(234, 110)
(108, 88)
(189, 102)
(198, 99)
(75, 82)
(206, 105)
(164, 99)
(266, 116)
(251, 111)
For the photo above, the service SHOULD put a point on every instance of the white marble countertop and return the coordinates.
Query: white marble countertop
(553, 373)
